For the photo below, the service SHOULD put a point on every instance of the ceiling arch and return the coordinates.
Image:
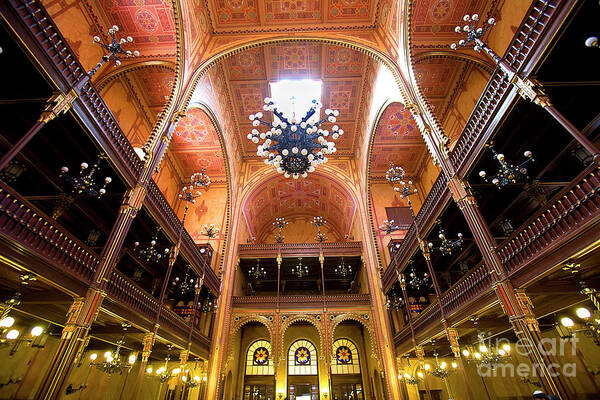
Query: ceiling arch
(299, 200)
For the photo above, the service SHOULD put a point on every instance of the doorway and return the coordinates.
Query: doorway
(303, 387)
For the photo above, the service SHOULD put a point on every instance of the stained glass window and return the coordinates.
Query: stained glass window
(345, 358)
(258, 359)
(302, 358)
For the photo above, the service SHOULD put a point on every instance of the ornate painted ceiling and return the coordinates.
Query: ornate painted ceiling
(439, 71)
(397, 140)
(195, 145)
(342, 71)
(240, 16)
(299, 199)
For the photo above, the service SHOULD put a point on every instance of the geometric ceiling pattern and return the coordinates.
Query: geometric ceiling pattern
(149, 22)
(340, 69)
(195, 145)
(432, 30)
(234, 16)
(303, 198)
(397, 140)
(154, 86)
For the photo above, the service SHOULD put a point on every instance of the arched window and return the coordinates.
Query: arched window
(258, 359)
(345, 358)
(302, 358)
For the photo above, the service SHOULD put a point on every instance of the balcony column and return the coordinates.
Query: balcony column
(451, 333)
(56, 105)
(84, 311)
(420, 353)
(519, 317)
(418, 349)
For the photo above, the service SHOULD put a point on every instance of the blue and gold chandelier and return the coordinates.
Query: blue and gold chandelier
(294, 146)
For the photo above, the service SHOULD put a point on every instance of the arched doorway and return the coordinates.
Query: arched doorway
(303, 372)
(259, 375)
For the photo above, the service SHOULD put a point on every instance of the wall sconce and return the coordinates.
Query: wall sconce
(591, 325)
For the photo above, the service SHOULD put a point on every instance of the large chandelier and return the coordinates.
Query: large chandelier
(414, 280)
(112, 363)
(294, 146)
(487, 355)
(442, 369)
(394, 174)
(151, 253)
(394, 301)
(86, 183)
(187, 284)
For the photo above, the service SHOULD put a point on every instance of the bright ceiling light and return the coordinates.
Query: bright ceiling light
(583, 313)
(7, 322)
(37, 331)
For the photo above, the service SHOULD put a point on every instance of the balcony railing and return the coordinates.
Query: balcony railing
(40, 236)
(300, 249)
(302, 301)
(552, 231)
(523, 53)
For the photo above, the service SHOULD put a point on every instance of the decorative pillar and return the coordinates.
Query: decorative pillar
(58, 104)
(84, 311)
(279, 260)
(147, 344)
(486, 243)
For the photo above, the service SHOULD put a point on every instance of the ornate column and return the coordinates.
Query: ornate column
(520, 319)
(147, 344)
(83, 312)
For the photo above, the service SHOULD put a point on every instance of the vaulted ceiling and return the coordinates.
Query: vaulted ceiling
(302, 198)
(439, 71)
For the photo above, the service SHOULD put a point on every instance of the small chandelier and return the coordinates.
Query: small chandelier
(414, 280)
(343, 270)
(185, 285)
(300, 270)
(411, 379)
(210, 231)
(112, 364)
(441, 369)
(151, 253)
(163, 374)
(589, 324)
(86, 183)
(389, 227)
(115, 47)
(507, 172)
(294, 146)
(209, 305)
(319, 222)
(258, 271)
(446, 246)
(200, 179)
(473, 34)
(483, 355)
(280, 223)
(394, 302)
(394, 174)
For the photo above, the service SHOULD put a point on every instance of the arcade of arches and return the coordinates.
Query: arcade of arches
(447, 246)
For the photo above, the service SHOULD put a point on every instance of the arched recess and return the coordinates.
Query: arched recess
(366, 321)
(314, 320)
(197, 143)
(237, 323)
(395, 139)
(300, 200)
(146, 84)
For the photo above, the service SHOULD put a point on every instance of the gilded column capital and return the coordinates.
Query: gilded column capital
(58, 104)
(133, 199)
(461, 192)
(531, 89)
(147, 343)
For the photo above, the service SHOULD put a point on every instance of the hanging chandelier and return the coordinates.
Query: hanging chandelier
(389, 227)
(411, 378)
(185, 285)
(210, 231)
(113, 364)
(484, 355)
(258, 271)
(163, 374)
(319, 222)
(151, 253)
(507, 172)
(394, 174)
(209, 305)
(442, 369)
(343, 270)
(294, 146)
(446, 246)
(300, 270)
(394, 301)
(280, 223)
(414, 280)
(86, 183)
